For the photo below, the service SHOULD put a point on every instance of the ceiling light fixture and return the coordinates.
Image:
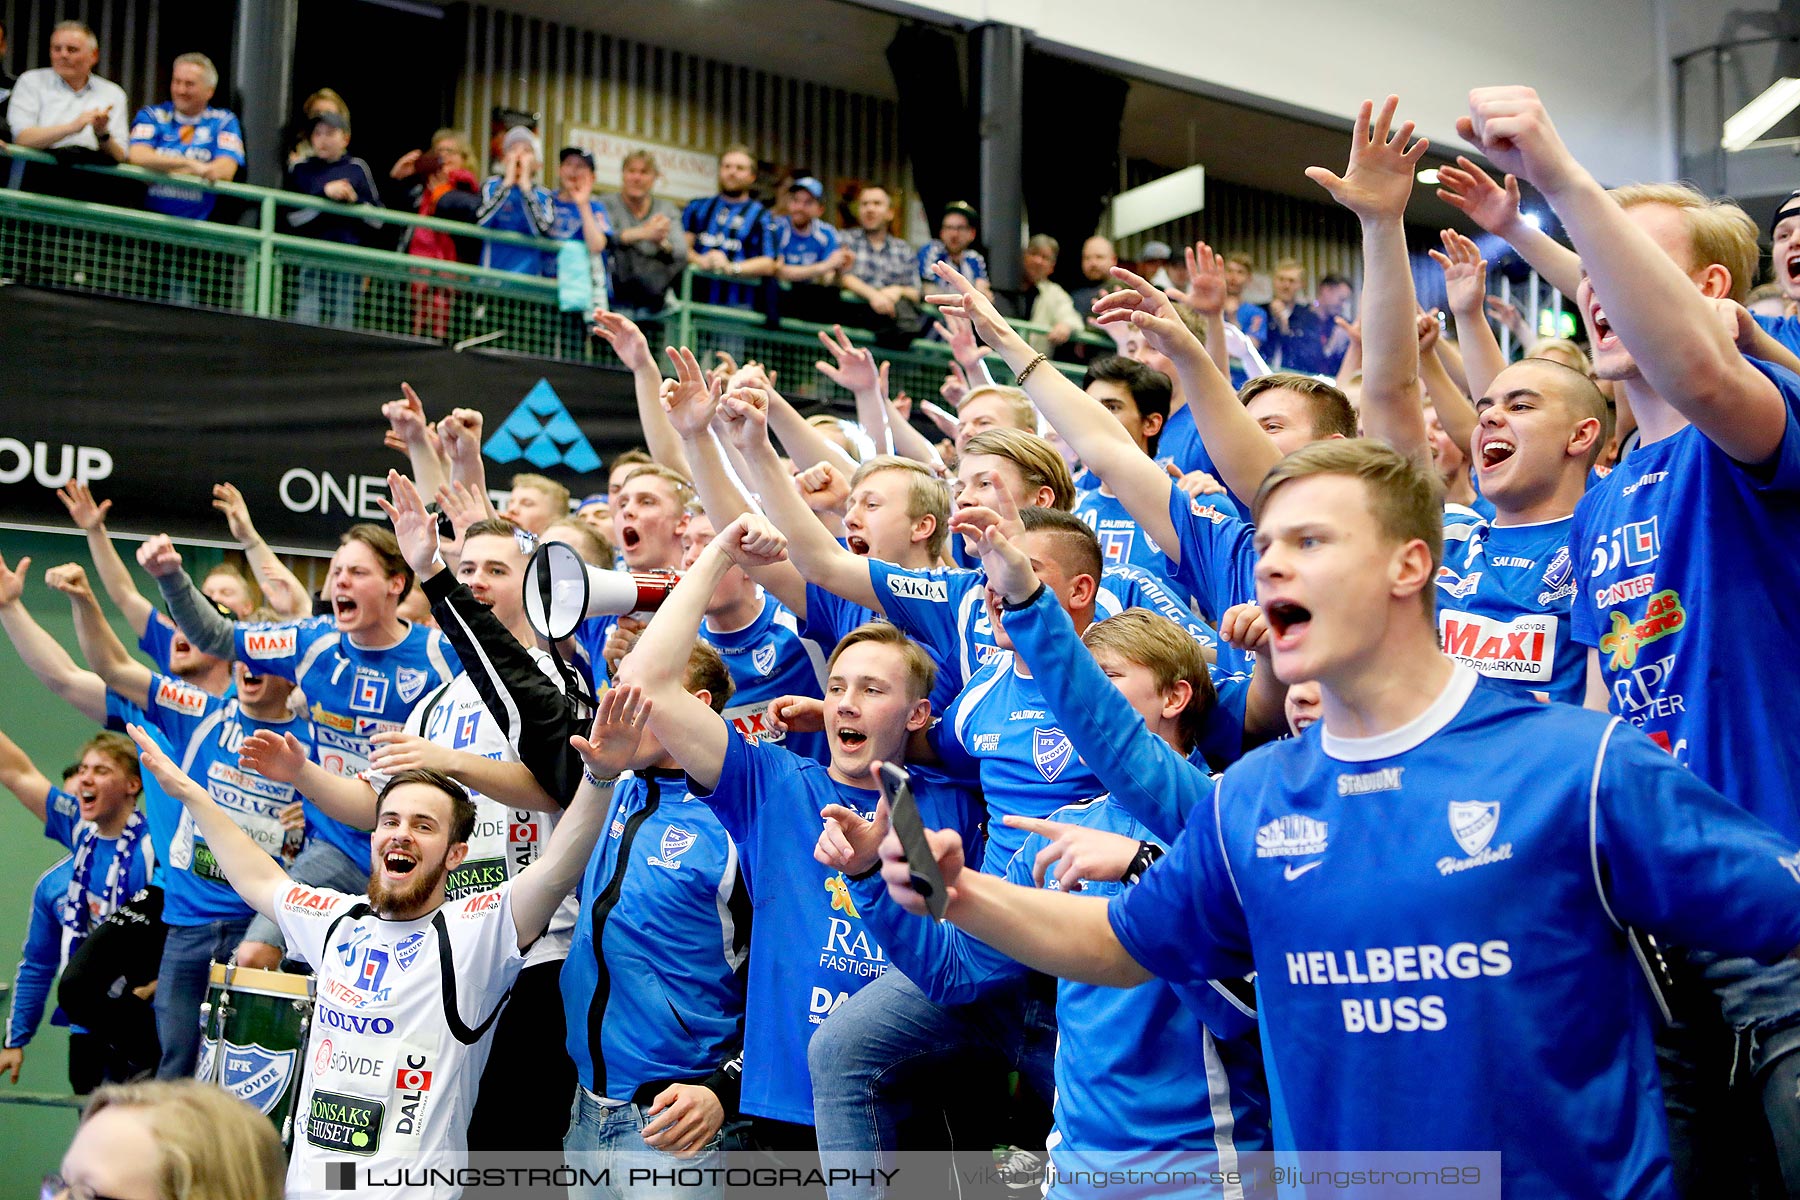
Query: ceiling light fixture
(1760, 115)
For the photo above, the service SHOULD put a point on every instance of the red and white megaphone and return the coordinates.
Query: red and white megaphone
(562, 591)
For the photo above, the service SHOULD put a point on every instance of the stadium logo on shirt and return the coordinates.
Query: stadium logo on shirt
(412, 683)
(1662, 617)
(350, 945)
(675, 843)
(1052, 751)
(1385, 780)
(1291, 837)
(542, 432)
(763, 658)
(910, 587)
(1115, 546)
(1473, 824)
(270, 643)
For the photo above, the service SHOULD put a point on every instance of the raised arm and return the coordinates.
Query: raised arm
(1066, 936)
(20, 776)
(1143, 773)
(280, 586)
(1473, 192)
(1465, 287)
(1376, 187)
(44, 657)
(1233, 439)
(408, 427)
(1440, 388)
(1094, 434)
(629, 343)
(461, 435)
(1673, 331)
(743, 416)
(619, 724)
(283, 758)
(857, 373)
(805, 445)
(688, 728)
(1206, 295)
(691, 406)
(89, 516)
(535, 715)
(253, 875)
(194, 614)
(106, 655)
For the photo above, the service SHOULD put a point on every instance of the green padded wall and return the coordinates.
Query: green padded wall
(49, 731)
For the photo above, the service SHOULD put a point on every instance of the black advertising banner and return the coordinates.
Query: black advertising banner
(150, 405)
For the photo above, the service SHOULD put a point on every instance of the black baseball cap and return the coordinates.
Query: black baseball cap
(963, 209)
(1787, 208)
(563, 156)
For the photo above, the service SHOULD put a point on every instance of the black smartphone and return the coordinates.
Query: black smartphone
(903, 811)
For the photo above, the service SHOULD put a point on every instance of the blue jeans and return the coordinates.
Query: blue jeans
(1717, 1075)
(611, 1139)
(875, 1044)
(188, 953)
(319, 864)
(326, 297)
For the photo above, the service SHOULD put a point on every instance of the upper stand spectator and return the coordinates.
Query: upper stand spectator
(649, 246)
(187, 136)
(1306, 337)
(885, 272)
(68, 110)
(955, 244)
(729, 232)
(297, 137)
(1042, 300)
(1098, 258)
(7, 80)
(327, 295)
(512, 200)
(808, 254)
(441, 185)
(579, 266)
(1153, 264)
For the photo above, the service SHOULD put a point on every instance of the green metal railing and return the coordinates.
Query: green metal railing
(259, 270)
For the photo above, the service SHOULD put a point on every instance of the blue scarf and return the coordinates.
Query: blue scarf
(76, 918)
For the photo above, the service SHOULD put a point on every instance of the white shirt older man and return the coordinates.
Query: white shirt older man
(65, 105)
